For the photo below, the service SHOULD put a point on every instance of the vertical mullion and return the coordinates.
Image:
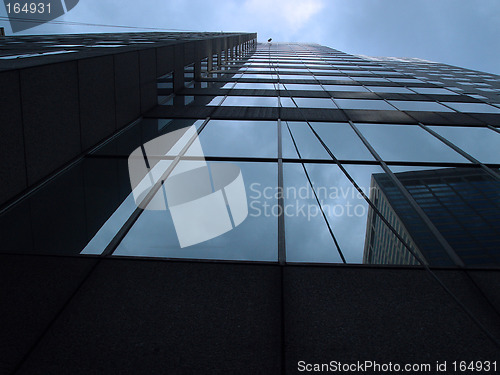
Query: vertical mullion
(281, 202)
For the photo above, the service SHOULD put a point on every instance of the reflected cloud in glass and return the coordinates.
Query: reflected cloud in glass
(153, 234)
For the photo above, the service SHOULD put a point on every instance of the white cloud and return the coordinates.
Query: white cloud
(292, 14)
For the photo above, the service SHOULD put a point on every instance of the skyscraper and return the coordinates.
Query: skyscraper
(114, 155)
(461, 202)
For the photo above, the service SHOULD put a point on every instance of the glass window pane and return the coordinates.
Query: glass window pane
(433, 90)
(381, 245)
(307, 237)
(395, 90)
(342, 141)
(229, 85)
(463, 205)
(296, 76)
(370, 79)
(308, 145)
(285, 70)
(314, 103)
(354, 72)
(216, 101)
(254, 86)
(288, 149)
(334, 78)
(347, 213)
(406, 80)
(326, 69)
(414, 105)
(156, 235)
(345, 209)
(481, 143)
(250, 101)
(407, 143)
(345, 88)
(474, 107)
(386, 73)
(363, 104)
(297, 86)
(286, 102)
(260, 76)
(239, 138)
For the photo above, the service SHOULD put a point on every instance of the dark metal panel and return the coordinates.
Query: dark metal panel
(147, 61)
(96, 86)
(127, 88)
(51, 117)
(13, 165)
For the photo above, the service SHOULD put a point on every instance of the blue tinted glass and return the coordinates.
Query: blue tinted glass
(396, 90)
(216, 101)
(288, 149)
(255, 75)
(229, 85)
(326, 69)
(239, 138)
(315, 103)
(155, 235)
(369, 79)
(307, 237)
(345, 208)
(381, 246)
(462, 203)
(250, 101)
(296, 76)
(254, 86)
(286, 102)
(284, 70)
(406, 80)
(342, 141)
(345, 88)
(413, 105)
(473, 107)
(481, 143)
(433, 90)
(333, 78)
(363, 104)
(308, 145)
(294, 86)
(407, 143)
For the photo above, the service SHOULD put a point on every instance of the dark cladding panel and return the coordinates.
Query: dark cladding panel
(162, 317)
(97, 102)
(148, 79)
(203, 48)
(34, 289)
(164, 60)
(51, 117)
(216, 45)
(13, 166)
(370, 314)
(127, 88)
(190, 52)
(179, 62)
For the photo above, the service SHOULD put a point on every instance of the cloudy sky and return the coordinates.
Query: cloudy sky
(458, 32)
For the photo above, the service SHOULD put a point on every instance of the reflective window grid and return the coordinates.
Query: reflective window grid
(343, 159)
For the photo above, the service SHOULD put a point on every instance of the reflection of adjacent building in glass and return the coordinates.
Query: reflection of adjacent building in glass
(462, 203)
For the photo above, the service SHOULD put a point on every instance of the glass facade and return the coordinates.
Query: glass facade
(344, 159)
